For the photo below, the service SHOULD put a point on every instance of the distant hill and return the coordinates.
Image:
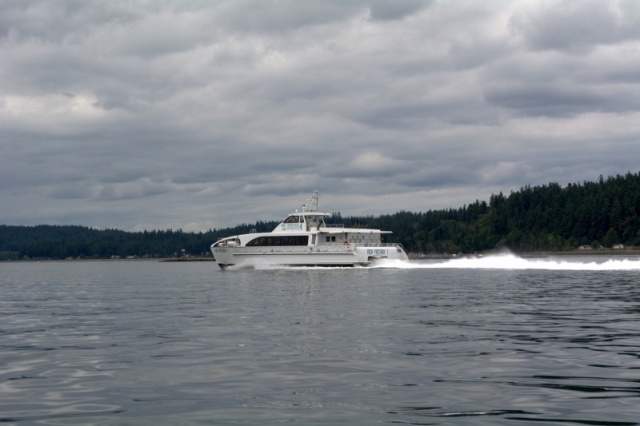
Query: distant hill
(61, 242)
(604, 213)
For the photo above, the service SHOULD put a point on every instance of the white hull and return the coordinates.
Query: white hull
(306, 256)
(303, 239)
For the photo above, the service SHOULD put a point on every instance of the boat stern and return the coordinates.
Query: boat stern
(390, 251)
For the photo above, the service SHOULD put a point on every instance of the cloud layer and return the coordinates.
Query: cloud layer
(195, 115)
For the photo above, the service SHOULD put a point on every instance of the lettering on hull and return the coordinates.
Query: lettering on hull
(292, 227)
(377, 252)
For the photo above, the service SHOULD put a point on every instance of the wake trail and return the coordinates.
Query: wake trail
(504, 261)
(510, 261)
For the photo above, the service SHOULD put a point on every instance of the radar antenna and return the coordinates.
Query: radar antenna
(312, 203)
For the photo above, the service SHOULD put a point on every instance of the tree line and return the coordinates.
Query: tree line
(603, 213)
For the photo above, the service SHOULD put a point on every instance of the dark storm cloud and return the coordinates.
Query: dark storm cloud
(204, 114)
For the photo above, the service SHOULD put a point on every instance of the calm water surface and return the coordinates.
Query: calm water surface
(484, 341)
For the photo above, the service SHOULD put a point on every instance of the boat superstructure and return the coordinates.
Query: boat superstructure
(304, 239)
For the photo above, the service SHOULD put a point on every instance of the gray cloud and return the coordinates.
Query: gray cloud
(578, 27)
(205, 114)
(559, 100)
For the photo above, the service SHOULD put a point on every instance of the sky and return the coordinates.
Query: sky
(200, 115)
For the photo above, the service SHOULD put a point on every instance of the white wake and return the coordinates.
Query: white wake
(505, 261)
(510, 261)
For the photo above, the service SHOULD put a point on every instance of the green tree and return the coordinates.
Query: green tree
(610, 238)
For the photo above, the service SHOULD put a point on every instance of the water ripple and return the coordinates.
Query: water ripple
(143, 342)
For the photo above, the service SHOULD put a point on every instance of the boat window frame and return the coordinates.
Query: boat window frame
(279, 240)
(292, 219)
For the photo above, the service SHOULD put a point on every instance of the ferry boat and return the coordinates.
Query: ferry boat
(304, 239)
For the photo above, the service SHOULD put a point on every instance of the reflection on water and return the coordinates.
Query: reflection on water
(419, 343)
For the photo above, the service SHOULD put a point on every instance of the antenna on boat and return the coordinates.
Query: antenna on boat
(312, 204)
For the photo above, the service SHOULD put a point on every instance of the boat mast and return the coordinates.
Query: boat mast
(312, 204)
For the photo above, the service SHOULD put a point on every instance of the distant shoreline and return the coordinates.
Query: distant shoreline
(595, 252)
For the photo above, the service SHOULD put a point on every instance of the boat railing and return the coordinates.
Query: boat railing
(335, 225)
(359, 244)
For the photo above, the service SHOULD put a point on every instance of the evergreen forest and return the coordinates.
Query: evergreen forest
(600, 214)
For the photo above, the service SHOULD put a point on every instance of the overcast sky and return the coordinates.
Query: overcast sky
(206, 114)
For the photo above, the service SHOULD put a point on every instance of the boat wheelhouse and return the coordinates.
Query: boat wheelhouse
(304, 239)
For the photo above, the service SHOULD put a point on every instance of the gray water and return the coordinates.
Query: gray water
(498, 340)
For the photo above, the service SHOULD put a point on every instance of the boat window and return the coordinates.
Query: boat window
(288, 240)
(292, 219)
(314, 220)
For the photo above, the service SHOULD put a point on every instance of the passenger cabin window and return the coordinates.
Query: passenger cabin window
(289, 240)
